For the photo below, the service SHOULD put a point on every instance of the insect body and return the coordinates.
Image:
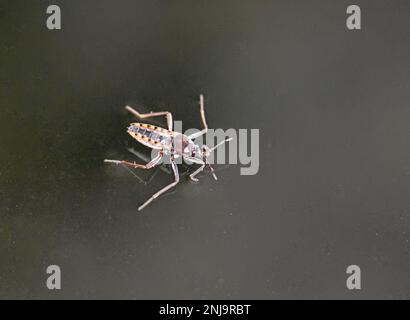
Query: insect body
(151, 136)
(171, 143)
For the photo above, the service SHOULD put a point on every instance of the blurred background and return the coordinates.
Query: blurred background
(332, 190)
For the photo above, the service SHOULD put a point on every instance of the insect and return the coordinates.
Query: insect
(169, 143)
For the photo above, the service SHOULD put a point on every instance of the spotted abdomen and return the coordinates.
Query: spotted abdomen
(150, 135)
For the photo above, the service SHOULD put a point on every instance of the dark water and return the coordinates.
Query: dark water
(333, 187)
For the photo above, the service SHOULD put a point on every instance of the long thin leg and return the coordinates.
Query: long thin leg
(149, 165)
(167, 114)
(146, 158)
(200, 169)
(146, 180)
(202, 112)
(156, 195)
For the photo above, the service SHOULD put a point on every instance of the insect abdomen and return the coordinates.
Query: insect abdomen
(149, 135)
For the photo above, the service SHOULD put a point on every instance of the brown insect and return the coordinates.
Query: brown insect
(170, 143)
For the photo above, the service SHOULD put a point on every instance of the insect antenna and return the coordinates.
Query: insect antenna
(211, 150)
(220, 144)
(211, 168)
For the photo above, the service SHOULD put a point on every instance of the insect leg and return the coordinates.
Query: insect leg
(149, 165)
(200, 169)
(146, 158)
(202, 112)
(156, 195)
(167, 114)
